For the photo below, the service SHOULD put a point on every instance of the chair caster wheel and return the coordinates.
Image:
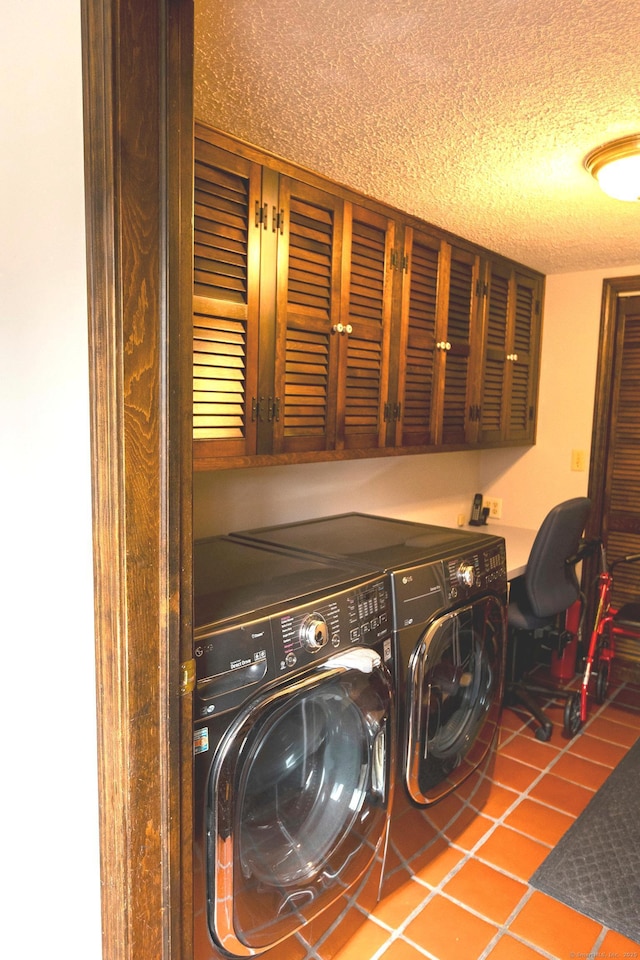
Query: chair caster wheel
(543, 733)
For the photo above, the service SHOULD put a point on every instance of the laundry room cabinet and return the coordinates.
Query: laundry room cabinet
(292, 307)
(512, 308)
(438, 342)
(327, 325)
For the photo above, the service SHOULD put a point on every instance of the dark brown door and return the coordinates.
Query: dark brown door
(615, 469)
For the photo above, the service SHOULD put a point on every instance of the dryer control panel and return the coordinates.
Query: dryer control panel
(422, 591)
(233, 663)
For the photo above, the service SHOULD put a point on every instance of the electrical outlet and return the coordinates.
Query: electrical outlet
(495, 507)
(578, 460)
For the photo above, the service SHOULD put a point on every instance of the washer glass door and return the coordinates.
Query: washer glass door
(298, 801)
(454, 697)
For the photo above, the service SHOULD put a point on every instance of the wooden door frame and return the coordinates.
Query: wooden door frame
(612, 289)
(137, 80)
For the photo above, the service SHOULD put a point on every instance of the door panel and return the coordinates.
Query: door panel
(614, 481)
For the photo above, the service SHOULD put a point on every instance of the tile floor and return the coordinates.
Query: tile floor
(471, 900)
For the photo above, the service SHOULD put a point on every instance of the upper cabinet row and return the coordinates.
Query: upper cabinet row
(327, 325)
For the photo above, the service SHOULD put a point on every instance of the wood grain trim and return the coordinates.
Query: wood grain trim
(137, 62)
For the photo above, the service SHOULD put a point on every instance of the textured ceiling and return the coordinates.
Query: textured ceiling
(472, 114)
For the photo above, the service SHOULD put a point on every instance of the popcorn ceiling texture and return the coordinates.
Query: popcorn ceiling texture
(474, 115)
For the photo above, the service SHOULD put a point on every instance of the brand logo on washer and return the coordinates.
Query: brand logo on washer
(407, 579)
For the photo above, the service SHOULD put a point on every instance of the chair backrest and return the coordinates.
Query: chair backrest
(551, 584)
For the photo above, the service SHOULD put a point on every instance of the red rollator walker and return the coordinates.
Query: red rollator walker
(610, 622)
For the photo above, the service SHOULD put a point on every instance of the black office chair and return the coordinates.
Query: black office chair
(539, 598)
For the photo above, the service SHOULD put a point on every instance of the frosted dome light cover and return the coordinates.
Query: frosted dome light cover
(616, 167)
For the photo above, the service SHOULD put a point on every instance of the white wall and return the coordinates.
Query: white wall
(531, 480)
(49, 817)
(432, 488)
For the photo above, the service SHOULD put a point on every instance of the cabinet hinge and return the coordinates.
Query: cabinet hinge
(537, 308)
(273, 409)
(278, 221)
(262, 214)
(187, 677)
(482, 289)
(393, 260)
(530, 413)
(405, 263)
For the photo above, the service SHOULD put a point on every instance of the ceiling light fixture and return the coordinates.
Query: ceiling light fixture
(616, 167)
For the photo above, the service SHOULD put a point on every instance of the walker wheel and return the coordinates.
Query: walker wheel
(572, 722)
(602, 681)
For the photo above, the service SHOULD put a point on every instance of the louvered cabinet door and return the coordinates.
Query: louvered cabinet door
(227, 193)
(522, 358)
(417, 339)
(363, 374)
(308, 308)
(457, 350)
(493, 409)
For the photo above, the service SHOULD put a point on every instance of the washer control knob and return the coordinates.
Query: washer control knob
(466, 575)
(314, 632)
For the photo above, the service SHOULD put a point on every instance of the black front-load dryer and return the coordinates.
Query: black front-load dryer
(293, 759)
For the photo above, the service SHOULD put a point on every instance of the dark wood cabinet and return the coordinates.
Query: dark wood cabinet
(509, 382)
(327, 325)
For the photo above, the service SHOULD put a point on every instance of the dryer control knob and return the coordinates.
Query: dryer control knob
(466, 575)
(314, 632)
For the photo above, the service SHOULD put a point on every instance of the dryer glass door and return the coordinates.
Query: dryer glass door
(298, 801)
(454, 697)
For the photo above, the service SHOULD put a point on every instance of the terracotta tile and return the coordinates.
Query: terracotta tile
(629, 696)
(619, 713)
(539, 821)
(509, 949)
(513, 774)
(583, 772)
(513, 719)
(394, 909)
(449, 932)
(440, 814)
(607, 729)
(554, 927)
(433, 868)
(497, 800)
(289, 949)
(554, 791)
(485, 890)
(513, 852)
(362, 943)
(468, 829)
(410, 833)
(600, 751)
(530, 751)
(398, 950)
(615, 945)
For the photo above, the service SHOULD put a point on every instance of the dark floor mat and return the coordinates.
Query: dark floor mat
(595, 868)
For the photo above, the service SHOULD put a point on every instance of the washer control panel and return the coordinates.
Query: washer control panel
(234, 662)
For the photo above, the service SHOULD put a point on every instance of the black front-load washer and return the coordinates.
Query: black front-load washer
(293, 758)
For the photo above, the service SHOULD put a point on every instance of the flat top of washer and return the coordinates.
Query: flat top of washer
(234, 578)
(382, 542)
